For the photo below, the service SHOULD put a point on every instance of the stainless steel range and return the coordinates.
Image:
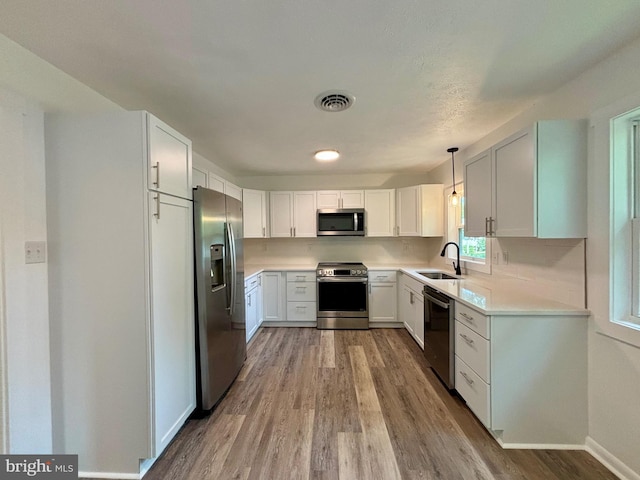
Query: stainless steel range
(342, 296)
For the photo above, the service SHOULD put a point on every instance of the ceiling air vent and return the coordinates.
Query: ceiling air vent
(334, 101)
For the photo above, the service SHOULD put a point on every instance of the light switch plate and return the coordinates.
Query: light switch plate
(35, 252)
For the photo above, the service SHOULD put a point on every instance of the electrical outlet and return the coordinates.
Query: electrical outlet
(35, 252)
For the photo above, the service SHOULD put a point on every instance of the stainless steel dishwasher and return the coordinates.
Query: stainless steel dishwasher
(439, 334)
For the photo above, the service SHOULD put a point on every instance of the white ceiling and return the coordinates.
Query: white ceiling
(239, 77)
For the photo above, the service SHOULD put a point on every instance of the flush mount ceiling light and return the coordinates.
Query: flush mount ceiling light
(454, 196)
(326, 155)
(334, 101)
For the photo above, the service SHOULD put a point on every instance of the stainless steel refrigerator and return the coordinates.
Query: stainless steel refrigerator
(220, 316)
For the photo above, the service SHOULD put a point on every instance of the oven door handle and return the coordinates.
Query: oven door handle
(343, 280)
(435, 300)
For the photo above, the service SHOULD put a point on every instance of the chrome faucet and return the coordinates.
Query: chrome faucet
(455, 265)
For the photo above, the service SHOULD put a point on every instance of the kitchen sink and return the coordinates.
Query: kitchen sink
(438, 276)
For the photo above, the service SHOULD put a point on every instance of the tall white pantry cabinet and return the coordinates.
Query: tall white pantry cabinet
(119, 219)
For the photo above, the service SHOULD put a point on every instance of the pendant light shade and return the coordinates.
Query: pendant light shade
(454, 196)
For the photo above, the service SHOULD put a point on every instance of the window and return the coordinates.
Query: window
(474, 251)
(625, 220)
(634, 254)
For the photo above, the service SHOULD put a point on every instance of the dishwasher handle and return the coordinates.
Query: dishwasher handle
(430, 298)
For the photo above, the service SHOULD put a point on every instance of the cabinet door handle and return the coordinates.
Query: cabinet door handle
(467, 339)
(301, 307)
(157, 199)
(300, 277)
(492, 222)
(264, 232)
(369, 288)
(411, 297)
(466, 377)
(249, 300)
(467, 317)
(486, 226)
(294, 231)
(157, 167)
(301, 288)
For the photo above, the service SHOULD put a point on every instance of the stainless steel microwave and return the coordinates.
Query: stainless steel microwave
(341, 221)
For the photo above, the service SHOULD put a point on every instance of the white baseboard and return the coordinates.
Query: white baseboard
(610, 461)
(386, 325)
(540, 446)
(114, 476)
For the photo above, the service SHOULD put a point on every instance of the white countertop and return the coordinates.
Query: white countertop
(489, 299)
(496, 300)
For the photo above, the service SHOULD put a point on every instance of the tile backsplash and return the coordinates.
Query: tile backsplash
(310, 251)
(550, 268)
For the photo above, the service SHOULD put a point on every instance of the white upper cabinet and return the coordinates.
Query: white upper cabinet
(215, 182)
(232, 190)
(340, 199)
(419, 211)
(254, 212)
(537, 182)
(169, 159)
(380, 208)
(221, 185)
(199, 178)
(304, 214)
(478, 186)
(293, 214)
(281, 214)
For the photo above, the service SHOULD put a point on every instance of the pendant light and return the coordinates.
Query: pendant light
(454, 195)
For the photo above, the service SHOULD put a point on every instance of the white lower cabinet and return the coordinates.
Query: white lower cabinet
(274, 296)
(411, 307)
(383, 294)
(301, 296)
(253, 304)
(524, 376)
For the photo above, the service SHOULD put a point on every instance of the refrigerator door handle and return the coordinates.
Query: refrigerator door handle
(234, 273)
(228, 278)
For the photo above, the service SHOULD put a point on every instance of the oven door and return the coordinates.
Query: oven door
(342, 297)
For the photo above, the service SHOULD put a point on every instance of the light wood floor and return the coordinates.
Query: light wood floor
(313, 404)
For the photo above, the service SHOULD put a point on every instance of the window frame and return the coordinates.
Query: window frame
(454, 224)
(613, 267)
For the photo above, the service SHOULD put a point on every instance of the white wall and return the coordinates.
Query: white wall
(25, 299)
(614, 366)
(28, 87)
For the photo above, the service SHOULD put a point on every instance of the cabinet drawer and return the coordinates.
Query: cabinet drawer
(250, 283)
(473, 319)
(301, 276)
(413, 284)
(301, 292)
(382, 276)
(473, 350)
(301, 311)
(474, 391)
